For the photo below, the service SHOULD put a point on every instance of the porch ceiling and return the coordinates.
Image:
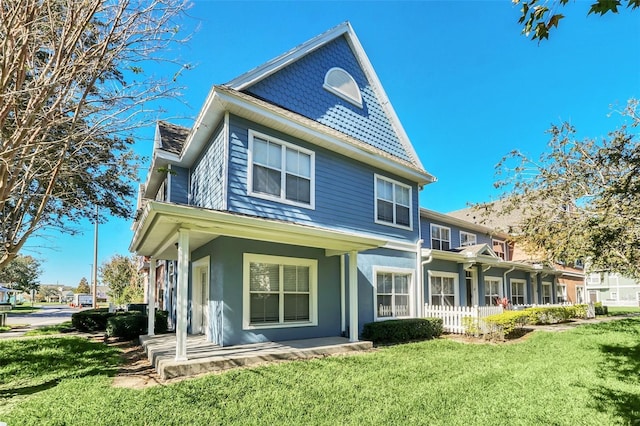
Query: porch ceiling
(156, 233)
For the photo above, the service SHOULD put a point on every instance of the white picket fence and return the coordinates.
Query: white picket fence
(452, 316)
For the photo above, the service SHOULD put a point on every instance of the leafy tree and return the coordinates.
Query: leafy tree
(22, 273)
(121, 275)
(579, 200)
(72, 89)
(539, 17)
(83, 287)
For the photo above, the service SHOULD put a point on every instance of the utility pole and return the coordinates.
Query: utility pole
(95, 262)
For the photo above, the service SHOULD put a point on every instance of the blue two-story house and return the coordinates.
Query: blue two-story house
(289, 210)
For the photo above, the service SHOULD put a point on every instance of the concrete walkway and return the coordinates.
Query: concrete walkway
(205, 357)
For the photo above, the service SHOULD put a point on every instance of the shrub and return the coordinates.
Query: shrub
(91, 320)
(578, 311)
(404, 330)
(162, 323)
(128, 325)
(601, 309)
(505, 324)
(548, 315)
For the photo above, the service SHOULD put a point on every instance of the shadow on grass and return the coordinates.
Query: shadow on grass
(621, 363)
(34, 365)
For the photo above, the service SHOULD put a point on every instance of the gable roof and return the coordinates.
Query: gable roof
(171, 137)
(476, 250)
(506, 223)
(262, 72)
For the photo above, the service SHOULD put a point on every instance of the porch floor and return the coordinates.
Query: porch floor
(204, 357)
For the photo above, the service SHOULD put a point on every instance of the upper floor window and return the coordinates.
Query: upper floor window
(280, 171)
(467, 239)
(593, 279)
(500, 249)
(342, 84)
(440, 237)
(393, 202)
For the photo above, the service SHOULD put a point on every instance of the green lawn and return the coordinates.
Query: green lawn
(23, 309)
(586, 376)
(621, 310)
(50, 329)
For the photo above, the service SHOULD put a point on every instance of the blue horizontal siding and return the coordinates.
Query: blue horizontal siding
(299, 87)
(178, 181)
(344, 189)
(425, 224)
(207, 174)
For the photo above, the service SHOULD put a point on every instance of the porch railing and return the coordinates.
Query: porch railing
(453, 316)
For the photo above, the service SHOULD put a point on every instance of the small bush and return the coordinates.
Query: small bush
(577, 311)
(404, 330)
(91, 320)
(505, 324)
(601, 309)
(549, 315)
(127, 325)
(162, 322)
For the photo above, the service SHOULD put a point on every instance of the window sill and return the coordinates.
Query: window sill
(280, 325)
(393, 225)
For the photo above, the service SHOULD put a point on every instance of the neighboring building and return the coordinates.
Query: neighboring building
(467, 264)
(612, 289)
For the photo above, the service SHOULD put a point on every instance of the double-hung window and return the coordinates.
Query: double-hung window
(440, 237)
(392, 294)
(492, 290)
(467, 239)
(500, 249)
(518, 292)
(279, 291)
(443, 288)
(280, 171)
(393, 202)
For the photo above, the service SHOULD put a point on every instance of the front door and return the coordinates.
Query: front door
(200, 298)
(593, 296)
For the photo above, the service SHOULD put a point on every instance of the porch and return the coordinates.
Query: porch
(206, 357)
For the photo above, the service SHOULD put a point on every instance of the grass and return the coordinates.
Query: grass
(23, 309)
(586, 376)
(10, 327)
(623, 310)
(50, 329)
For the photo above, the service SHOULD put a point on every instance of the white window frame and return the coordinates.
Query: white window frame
(613, 295)
(561, 289)
(547, 284)
(456, 285)
(394, 271)
(312, 264)
(431, 236)
(500, 295)
(355, 100)
(504, 246)
(594, 278)
(524, 289)
(283, 172)
(375, 207)
(468, 234)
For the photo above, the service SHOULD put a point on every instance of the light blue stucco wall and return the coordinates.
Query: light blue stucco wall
(226, 288)
(344, 189)
(367, 261)
(299, 87)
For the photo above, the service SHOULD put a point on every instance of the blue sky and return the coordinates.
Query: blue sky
(466, 85)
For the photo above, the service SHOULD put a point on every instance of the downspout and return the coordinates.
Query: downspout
(419, 283)
(424, 262)
(343, 323)
(504, 281)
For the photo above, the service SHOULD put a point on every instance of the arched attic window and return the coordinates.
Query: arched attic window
(340, 83)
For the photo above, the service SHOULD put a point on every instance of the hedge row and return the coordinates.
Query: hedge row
(505, 324)
(128, 325)
(404, 330)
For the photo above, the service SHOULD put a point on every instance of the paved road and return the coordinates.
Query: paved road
(47, 315)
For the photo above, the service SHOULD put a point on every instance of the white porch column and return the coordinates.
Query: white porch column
(151, 298)
(353, 296)
(182, 295)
